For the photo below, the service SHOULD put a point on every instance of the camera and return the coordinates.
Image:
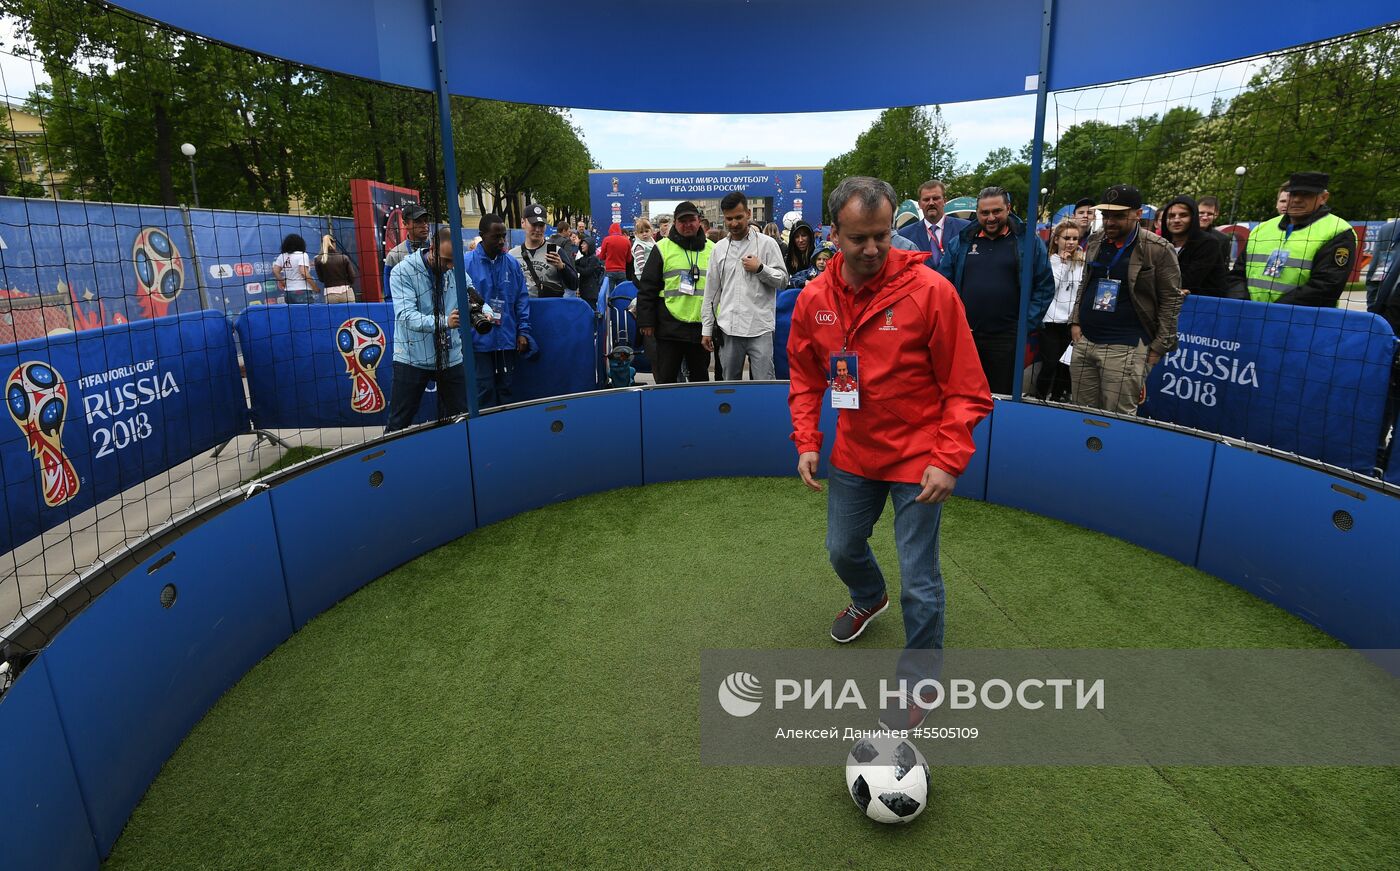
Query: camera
(480, 320)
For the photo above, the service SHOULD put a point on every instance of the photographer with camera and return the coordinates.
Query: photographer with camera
(500, 281)
(427, 338)
(548, 272)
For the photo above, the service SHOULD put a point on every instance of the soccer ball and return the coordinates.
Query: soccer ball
(790, 219)
(888, 778)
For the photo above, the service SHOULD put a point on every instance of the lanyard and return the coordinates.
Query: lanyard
(1114, 262)
(850, 331)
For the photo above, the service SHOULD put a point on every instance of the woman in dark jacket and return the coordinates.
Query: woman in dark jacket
(1202, 262)
(590, 271)
(801, 247)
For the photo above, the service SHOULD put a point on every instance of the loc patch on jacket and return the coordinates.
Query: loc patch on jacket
(1278, 259)
(1106, 295)
(845, 381)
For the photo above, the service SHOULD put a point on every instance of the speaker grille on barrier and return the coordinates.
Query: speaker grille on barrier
(1342, 520)
(1094, 443)
(725, 408)
(376, 478)
(557, 426)
(167, 595)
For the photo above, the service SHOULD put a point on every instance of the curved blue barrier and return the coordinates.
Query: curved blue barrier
(121, 685)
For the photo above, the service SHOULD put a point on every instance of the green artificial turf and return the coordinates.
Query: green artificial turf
(295, 455)
(526, 696)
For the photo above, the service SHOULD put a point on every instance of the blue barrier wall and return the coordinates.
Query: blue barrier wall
(533, 455)
(339, 526)
(46, 825)
(236, 250)
(1137, 483)
(90, 414)
(1311, 381)
(132, 677)
(1273, 528)
(129, 678)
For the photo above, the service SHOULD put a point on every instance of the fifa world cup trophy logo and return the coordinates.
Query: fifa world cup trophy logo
(38, 402)
(160, 271)
(361, 343)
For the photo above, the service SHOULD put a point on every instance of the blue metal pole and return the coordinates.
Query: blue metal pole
(454, 207)
(1042, 94)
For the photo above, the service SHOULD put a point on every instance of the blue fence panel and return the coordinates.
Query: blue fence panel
(534, 455)
(1129, 480)
(112, 263)
(322, 365)
(713, 430)
(787, 300)
(972, 483)
(236, 251)
(1316, 545)
(331, 520)
(132, 676)
(93, 413)
(1311, 381)
(567, 335)
(46, 825)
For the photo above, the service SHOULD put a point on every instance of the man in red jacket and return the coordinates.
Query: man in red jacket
(909, 435)
(615, 251)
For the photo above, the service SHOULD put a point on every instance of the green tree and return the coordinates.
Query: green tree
(905, 146)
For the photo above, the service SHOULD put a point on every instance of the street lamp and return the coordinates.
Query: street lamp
(188, 150)
(1044, 206)
(1239, 186)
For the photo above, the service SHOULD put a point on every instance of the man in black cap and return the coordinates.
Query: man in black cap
(547, 272)
(1084, 216)
(1124, 318)
(671, 297)
(415, 219)
(1302, 257)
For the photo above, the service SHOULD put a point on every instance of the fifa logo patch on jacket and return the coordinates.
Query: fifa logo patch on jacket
(889, 320)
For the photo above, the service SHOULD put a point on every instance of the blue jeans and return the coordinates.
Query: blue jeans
(854, 504)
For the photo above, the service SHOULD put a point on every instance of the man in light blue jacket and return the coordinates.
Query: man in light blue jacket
(427, 338)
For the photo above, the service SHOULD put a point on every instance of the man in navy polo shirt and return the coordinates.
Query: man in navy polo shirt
(983, 262)
(1124, 318)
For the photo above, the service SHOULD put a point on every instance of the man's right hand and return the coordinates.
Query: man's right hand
(707, 342)
(454, 320)
(648, 331)
(807, 469)
(1075, 334)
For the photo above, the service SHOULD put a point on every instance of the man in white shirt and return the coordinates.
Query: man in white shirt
(741, 290)
(936, 229)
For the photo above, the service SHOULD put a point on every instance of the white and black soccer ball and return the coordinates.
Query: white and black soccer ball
(791, 220)
(888, 778)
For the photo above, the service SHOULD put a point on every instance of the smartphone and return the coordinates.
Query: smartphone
(550, 248)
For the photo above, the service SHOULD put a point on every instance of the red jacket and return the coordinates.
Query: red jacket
(615, 250)
(921, 384)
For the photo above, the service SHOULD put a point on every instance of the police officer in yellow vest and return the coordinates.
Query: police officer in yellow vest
(670, 295)
(1302, 257)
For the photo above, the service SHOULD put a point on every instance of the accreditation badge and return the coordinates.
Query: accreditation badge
(1106, 295)
(845, 381)
(1274, 266)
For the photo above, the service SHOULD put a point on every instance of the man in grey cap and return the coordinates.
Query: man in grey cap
(547, 272)
(1302, 257)
(415, 219)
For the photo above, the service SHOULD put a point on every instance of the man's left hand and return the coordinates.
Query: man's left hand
(938, 486)
(1153, 358)
(522, 344)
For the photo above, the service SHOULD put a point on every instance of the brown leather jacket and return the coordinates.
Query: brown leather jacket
(1154, 285)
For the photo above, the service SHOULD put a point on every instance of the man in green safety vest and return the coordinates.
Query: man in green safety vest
(671, 295)
(1302, 257)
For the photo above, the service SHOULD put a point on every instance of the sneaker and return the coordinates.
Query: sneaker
(853, 619)
(909, 715)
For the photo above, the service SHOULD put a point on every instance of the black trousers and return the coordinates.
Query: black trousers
(669, 355)
(409, 384)
(999, 358)
(1053, 380)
